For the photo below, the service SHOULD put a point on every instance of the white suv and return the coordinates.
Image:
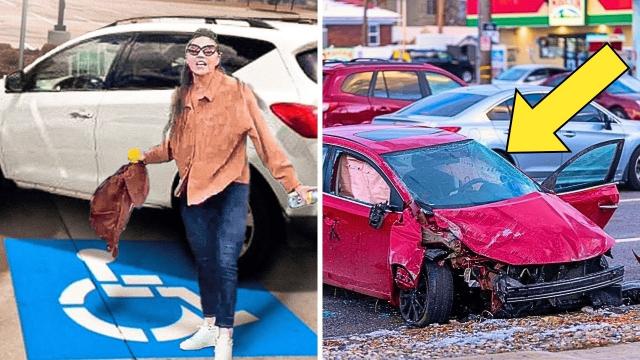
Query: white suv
(67, 121)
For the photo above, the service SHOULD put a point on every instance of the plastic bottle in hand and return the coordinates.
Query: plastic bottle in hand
(296, 201)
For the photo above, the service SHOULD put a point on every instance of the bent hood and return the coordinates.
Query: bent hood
(533, 229)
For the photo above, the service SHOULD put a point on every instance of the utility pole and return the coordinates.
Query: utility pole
(365, 25)
(483, 62)
(23, 30)
(404, 28)
(636, 36)
(440, 15)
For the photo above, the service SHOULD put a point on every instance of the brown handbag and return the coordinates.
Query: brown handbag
(114, 200)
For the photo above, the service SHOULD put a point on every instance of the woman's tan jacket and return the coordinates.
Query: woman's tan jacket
(208, 141)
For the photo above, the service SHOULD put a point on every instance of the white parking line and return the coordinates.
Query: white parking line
(633, 239)
(629, 200)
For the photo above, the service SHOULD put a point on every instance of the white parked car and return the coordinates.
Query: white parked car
(67, 121)
(529, 74)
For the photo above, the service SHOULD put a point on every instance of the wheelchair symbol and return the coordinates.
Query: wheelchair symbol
(73, 297)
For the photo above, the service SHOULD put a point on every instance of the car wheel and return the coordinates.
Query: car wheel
(265, 228)
(633, 170)
(432, 299)
(619, 112)
(467, 76)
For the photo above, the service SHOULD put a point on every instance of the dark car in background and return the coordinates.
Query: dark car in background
(460, 67)
(621, 98)
(354, 92)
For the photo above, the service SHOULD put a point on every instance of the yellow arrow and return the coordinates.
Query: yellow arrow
(533, 129)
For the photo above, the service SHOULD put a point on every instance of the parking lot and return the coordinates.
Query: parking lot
(151, 239)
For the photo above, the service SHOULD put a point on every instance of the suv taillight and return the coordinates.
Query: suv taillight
(299, 117)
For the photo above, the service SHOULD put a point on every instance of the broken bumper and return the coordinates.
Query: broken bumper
(525, 293)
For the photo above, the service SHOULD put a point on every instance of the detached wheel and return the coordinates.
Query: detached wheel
(432, 299)
(633, 170)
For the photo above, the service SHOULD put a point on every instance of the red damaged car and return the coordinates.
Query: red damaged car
(428, 219)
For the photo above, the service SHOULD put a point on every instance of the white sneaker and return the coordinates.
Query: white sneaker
(224, 345)
(205, 337)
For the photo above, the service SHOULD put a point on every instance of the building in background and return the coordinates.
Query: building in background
(342, 24)
(424, 12)
(559, 32)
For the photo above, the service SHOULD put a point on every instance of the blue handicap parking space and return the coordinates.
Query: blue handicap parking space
(75, 302)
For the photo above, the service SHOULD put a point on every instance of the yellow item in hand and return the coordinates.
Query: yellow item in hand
(134, 155)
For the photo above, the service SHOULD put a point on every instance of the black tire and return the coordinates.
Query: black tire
(619, 112)
(432, 299)
(268, 230)
(633, 170)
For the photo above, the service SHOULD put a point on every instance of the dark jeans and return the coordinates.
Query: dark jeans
(216, 230)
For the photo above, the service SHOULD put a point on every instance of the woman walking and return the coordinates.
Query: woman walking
(212, 116)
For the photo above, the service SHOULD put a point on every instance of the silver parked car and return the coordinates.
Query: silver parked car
(483, 113)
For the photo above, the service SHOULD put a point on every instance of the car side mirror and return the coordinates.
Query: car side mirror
(426, 209)
(377, 214)
(607, 122)
(14, 82)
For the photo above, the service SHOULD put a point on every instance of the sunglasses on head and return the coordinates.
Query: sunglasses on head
(208, 50)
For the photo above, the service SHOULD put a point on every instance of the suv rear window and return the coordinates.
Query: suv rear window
(444, 104)
(308, 61)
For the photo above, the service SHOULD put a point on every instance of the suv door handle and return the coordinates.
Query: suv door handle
(569, 133)
(81, 115)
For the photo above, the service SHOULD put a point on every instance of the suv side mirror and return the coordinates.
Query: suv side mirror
(377, 214)
(14, 82)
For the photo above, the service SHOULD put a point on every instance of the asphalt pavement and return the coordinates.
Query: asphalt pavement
(347, 313)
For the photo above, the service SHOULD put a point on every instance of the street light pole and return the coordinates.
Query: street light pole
(23, 30)
(59, 34)
(484, 43)
(60, 26)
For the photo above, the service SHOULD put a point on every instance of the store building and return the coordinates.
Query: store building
(559, 32)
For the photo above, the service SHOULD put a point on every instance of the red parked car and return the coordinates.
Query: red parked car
(419, 216)
(621, 98)
(354, 92)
